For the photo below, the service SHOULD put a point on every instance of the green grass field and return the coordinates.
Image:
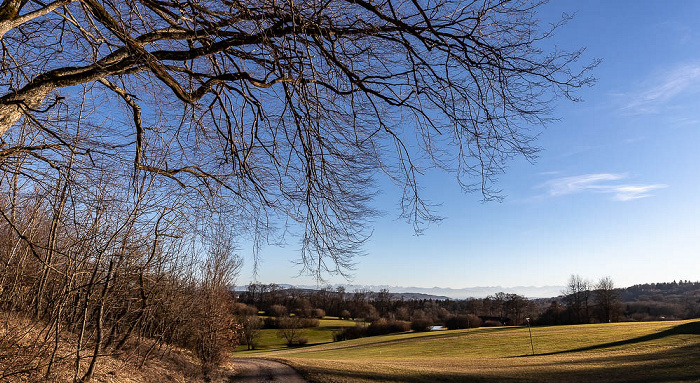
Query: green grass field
(618, 352)
(269, 341)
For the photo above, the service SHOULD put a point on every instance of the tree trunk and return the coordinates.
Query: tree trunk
(99, 328)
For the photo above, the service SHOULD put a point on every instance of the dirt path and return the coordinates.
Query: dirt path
(263, 371)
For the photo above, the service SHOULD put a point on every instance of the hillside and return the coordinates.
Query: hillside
(619, 352)
(25, 355)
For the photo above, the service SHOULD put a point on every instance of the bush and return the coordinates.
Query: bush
(379, 327)
(243, 310)
(276, 311)
(271, 323)
(492, 323)
(456, 322)
(421, 325)
(383, 326)
(213, 331)
(345, 314)
(318, 313)
(302, 313)
(348, 333)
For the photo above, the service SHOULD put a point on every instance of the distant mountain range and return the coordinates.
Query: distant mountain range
(442, 292)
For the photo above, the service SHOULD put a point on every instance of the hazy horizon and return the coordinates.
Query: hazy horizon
(454, 293)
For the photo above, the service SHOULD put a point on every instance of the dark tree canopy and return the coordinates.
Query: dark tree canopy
(272, 112)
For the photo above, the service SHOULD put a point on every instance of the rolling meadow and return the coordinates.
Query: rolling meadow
(616, 352)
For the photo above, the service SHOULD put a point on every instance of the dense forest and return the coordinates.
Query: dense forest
(658, 301)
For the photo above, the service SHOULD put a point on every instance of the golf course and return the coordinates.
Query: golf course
(667, 351)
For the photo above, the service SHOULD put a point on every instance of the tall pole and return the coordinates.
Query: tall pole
(530, 331)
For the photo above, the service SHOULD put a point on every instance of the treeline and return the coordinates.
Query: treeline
(497, 309)
(585, 302)
(582, 301)
(659, 301)
(375, 313)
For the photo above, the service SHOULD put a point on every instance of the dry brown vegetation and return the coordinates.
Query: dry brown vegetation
(81, 284)
(23, 358)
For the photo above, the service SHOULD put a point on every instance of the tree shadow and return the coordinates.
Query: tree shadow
(692, 328)
(671, 365)
(380, 340)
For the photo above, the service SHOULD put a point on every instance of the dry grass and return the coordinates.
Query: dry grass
(625, 352)
(25, 351)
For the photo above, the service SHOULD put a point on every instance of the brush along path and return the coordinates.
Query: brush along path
(251, 370)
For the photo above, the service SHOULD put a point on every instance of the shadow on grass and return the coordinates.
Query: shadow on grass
(692, 328)
(381, 340)
(671, 365)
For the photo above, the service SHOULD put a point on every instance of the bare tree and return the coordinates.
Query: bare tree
(133, 133)
(577, 297)
(283, 111)
(87, 253)
(606, 299)
(292, 330)
(215, 329)
(247, 317)
(516, 306)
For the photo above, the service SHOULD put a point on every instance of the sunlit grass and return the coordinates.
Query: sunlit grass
(618, 352)
(268, 339)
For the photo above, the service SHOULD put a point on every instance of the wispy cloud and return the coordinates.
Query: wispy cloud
(600, 183)
(677, 32)
(630, 192)
(658, 92)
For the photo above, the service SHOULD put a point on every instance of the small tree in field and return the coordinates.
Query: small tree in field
(345, 314)
(291, 330)
(247, 317)
(251, 330)
(577, 297)
(606, 300)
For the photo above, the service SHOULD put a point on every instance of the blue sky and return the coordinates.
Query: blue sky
(614, 192)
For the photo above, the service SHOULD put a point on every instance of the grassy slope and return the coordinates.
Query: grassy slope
(620, 352)
(268, 339)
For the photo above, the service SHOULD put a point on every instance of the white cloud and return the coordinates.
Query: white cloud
(659, 91)
(600, 183)
(630, 192)
(569, 185)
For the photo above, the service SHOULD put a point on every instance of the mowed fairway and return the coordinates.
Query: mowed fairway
(618, 352)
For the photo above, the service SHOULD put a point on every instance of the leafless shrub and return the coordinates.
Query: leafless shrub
(318, 313)
(291, 330)
(277, 311)
(421, 325)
